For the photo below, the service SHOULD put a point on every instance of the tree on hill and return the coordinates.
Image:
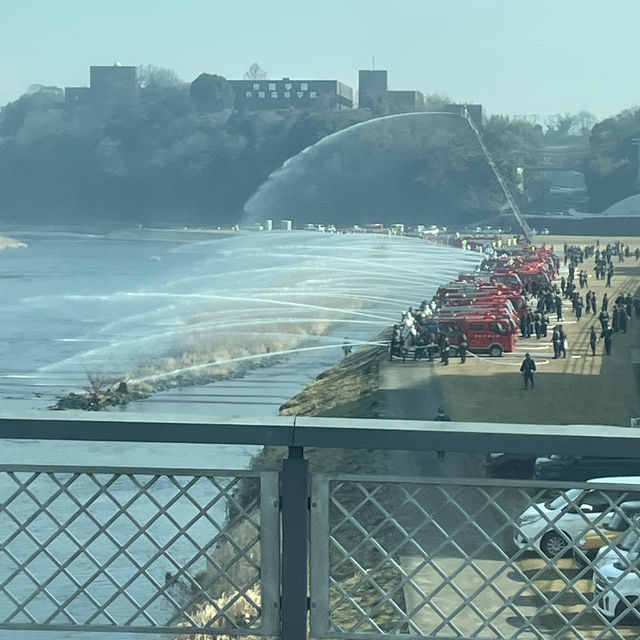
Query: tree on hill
(611, 166)
(255, 72)
(37, 99)
(158, 77)
(212, 92)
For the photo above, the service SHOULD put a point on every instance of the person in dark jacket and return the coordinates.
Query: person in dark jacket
(527, 368)
(463, 345)
(563, 341)
(558, 303)
(441, 417)
(593, 339)
(444, 348)
(555, 339)
(607, 334)
(603, 316)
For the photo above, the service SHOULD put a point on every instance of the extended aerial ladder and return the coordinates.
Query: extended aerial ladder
(513, 205)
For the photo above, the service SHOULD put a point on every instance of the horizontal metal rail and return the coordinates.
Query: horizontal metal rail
(389, 556)
(408, 435)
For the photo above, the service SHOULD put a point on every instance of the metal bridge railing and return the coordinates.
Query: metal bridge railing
(115, 549)
(414, 558)
(203, 553)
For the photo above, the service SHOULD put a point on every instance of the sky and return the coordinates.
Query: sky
(539, 57)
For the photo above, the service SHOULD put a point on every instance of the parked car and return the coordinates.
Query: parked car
(616, 585)
(551, 527)
(606, 535)
(580, 468)
(608, 555)
(509, 465)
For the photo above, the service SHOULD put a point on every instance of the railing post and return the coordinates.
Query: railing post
(295, 546)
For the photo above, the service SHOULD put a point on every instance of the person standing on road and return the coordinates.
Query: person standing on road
(564, 343)
(444, 349)
(558, 303)
(609, 275)
(593, 339)
(578, 306)
(441, 417)
(615, 318)
(607, 334)
(623, 319)
(603, 316)
(555, 339)
(462, 347)
(527, 368)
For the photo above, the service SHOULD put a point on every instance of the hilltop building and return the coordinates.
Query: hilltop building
(110, 87)
(374, 94)
(281, 94)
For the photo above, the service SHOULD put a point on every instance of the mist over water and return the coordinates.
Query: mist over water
(83, 305)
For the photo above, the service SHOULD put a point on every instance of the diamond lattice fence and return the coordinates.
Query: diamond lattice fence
(473, 559)
(118, 549)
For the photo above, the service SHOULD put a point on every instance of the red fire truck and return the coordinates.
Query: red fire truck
(483, 295)
(486, 332)
(481, 304)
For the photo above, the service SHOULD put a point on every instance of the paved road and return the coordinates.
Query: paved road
(463, 581)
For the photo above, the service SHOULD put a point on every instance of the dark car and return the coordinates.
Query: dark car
(509, 465)
(581, 468)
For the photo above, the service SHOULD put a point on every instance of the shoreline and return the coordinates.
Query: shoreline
(581, 389)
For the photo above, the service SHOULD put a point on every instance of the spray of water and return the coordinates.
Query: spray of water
(256, 299)
(258, 208)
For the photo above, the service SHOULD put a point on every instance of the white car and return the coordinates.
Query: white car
(551, 527)
(605, 542)
(617, 587)
(630, 541)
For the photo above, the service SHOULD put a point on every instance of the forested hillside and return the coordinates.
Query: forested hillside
(611, 167)
(184, 155)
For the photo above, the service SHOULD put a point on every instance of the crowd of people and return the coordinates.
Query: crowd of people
(416, 328)
(416, 331)
(612, 320)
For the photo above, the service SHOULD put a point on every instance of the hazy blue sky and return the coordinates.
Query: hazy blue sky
(544, 56)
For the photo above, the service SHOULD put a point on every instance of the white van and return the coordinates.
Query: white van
(552, 526)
